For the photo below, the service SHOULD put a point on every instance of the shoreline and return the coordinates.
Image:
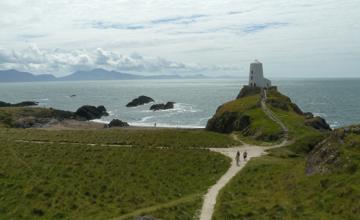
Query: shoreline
(158, 125)
(71, 124)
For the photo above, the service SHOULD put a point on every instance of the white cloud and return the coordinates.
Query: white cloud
(283, 33)
(61, 62)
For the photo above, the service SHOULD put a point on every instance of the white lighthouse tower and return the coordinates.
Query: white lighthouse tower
(256, 76)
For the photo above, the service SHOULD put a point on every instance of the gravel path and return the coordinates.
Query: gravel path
(210, 198)
(252, 150)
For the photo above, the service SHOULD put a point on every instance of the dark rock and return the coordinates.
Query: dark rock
(318, 123)
(296, 109)
(168, 105)
(117, 123)
(228, 122)
(308, 115)
(4, 104)
(20, 104)
(26, 103)
(102, 109)
(91, 112)
(141, 100)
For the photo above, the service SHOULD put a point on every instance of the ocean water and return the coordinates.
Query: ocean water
(337, 100)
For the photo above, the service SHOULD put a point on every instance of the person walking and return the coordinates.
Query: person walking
(237, 158)
(245, 154)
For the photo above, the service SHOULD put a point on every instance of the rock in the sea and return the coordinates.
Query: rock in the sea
(91, 112)
(318, 123)
(228, 122)
(118, 123)
(141, 100)
(168, 105)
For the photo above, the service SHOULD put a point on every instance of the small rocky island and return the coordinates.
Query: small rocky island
(141, 100)
(162, 106)
(118, 123)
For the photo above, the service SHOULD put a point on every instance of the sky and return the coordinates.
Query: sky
(292, 38)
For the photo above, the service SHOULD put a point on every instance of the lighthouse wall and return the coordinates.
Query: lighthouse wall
(256, 76)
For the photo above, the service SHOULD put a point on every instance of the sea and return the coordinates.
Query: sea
(336, 100)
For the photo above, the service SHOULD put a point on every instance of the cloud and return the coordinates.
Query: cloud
(260, 27)
(110, 25)
(317, 31)
(175, 20)
(62, 62)
(179, 19)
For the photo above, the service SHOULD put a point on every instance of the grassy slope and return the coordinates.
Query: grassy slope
(174, 138)
(294, 121)
(82, 182)
(276, 186)
(261, 126)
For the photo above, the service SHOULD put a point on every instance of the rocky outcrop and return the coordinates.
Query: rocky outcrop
(318, 123)
(20, 104)
(117, 123)
(89, 112)
(141, 100)
(168, 105)
(323, 158)
(332, 154)
(228, 122)
(37, 117)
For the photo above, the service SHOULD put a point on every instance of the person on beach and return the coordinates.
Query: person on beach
(155, 124)
(237, 158)
(245, 154)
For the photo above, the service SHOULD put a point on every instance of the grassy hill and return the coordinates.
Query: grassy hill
(259, 128)
(232, 116)
(281, 186)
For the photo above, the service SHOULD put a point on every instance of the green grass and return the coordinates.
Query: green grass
(173, 138)
(240, 105)
(276, 186)
(54, 181)
(262, 129)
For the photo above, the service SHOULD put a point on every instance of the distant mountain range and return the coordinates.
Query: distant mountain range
(16, 76)
(96, 74)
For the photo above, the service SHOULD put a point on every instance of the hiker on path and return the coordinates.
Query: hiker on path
(237, 158)
(245, 155)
